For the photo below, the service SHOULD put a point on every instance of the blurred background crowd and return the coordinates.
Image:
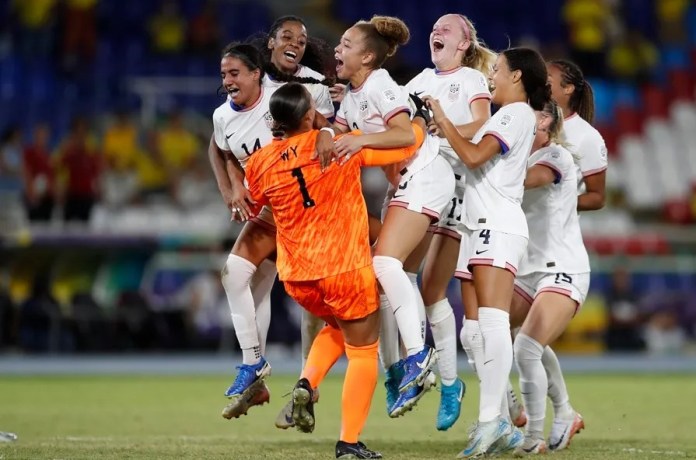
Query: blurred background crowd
(112, 232)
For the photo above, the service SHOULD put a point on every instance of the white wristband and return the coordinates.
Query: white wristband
(329, 130)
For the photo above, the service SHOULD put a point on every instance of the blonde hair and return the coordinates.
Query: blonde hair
(382, 35)
(477, 55)
(556, 134)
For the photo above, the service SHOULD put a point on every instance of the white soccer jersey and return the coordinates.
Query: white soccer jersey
(456, 90)
(555, 243)
(244, 131)
(369, 108)
(494, 190)
(587, 144)
(320, 93)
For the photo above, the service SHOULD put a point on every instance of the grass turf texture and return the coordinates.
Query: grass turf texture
(627, 417)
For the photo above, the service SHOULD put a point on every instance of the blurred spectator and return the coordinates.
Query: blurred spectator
(204, 31)
(632, 57)
(588, 23)
(208, 313)
(40, 319)
(79, 165)
(151, 173)
(79, 34)
(168, 29)
(671, 17)
(177, 146)
(39, 176)
(11, 159)
(120, 182)
(35, 21)
(625, 321)
(663, 334)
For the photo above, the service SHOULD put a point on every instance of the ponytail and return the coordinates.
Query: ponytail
(477, 55)
(582, 99)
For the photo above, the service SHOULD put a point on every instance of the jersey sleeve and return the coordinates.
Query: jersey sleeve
(219, 134)
(551, 157)
(382, 157)
(476, 86)
(388, 99)
(506, 126)
(593, 155)
(322, 100)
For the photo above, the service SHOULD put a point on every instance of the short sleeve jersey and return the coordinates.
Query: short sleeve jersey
(456, 90)
(243, 131)
(555, 242)
(587, 144)
(321, 218)
(494, 191)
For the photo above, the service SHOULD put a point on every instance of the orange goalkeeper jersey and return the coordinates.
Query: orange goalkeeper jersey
(321, 217)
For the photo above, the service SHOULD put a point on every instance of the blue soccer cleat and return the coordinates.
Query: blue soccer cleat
(393, 378)
(417, 367)
(408, 399)
(249, 389)
(485, 436)
(450, 404)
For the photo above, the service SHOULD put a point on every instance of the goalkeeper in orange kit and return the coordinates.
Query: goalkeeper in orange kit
(324, 256)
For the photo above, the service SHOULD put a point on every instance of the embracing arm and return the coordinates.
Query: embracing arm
(539, 175)
(481, 112)
(383, 157)
(594, 196)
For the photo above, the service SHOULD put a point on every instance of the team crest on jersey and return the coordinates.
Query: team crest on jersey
(268, 119)
(363, 105)
(389, 94)
(556, 154)
(505, 120)
(453, 92)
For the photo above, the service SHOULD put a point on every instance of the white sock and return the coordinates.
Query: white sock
(397, 288)
(533, 382)
(443, 326)
(388, 334)
(557, 388)
(261, 285)
(472, 342)
(497, 361)
(235, 279)
(510, 394)
(311, 325)
(504, 407)
(413, 278)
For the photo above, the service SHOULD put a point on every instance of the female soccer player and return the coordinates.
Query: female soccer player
(241, 126)
(554, 277)
(493, 215)
(420, 188)
(458, 82)
(337, 285)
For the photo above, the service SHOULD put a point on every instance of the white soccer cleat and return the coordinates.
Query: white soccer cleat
(531, 446)
(563, 430)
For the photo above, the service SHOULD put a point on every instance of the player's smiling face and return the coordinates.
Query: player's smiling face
(349, 53)
(559, 94)
(501, 80)
(240, 82)
(288, 46)
(447, 42)
(543, 124)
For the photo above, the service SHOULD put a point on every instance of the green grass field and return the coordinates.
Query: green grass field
(627, 417)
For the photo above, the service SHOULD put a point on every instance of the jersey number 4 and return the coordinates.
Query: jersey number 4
(307, 200)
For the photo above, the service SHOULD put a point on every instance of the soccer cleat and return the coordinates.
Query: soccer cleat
(247, 375)
(408, 399)
(484, 437)
(284, 419)
(531, 446)
(508, 442)
(393, 377)
(563, 430)
(11, 437)
(256, 395)
(450, 404)
(357, 450)
(303, 406)
(417, 367)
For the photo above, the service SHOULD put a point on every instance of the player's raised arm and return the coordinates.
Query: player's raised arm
(382, 157)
